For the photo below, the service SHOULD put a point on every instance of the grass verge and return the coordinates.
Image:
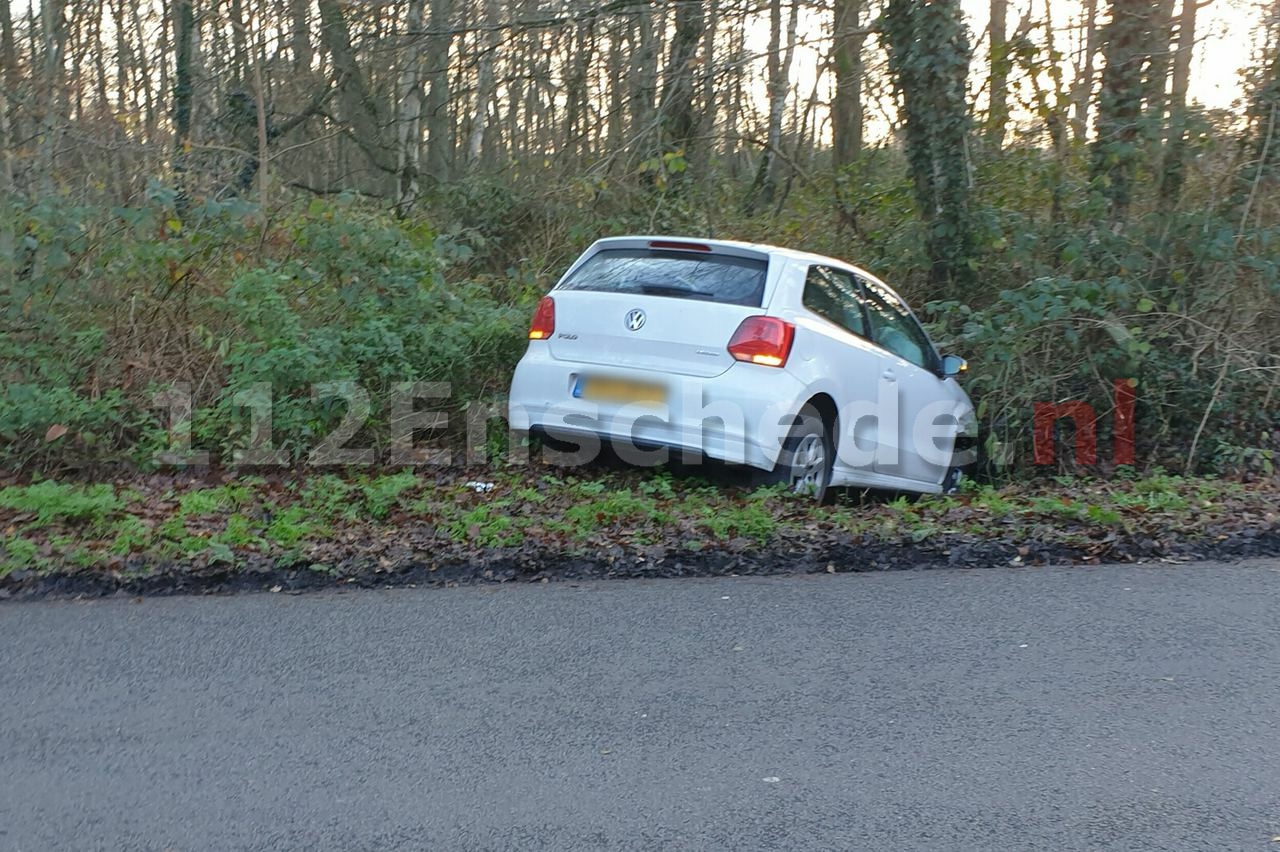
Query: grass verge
(159, 534)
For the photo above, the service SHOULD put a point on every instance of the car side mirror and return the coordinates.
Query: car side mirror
(953, 365)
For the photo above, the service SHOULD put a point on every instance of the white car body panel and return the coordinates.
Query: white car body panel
(731, 410)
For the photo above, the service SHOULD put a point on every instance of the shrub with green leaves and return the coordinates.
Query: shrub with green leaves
(250, 314)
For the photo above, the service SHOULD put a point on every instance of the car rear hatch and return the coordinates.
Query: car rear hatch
(659, 305)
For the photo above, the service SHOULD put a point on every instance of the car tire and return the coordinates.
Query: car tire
(806, 458)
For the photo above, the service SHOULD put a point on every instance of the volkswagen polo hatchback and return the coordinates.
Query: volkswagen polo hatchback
(809, 369)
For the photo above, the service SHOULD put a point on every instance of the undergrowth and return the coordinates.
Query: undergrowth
(329, 520)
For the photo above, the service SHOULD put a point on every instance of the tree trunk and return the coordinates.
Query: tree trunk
(73, 49)
(998, 109)
(679, 121)
(928, 56)
(358, 108)
(1055, 112)
(710, 106)
(149, 97)
(439, 125)
(779, 69)
(1056, 116)
(1082, 85)
(484, 83)
(846, 107)
(615, 121)
(734, 100)
(8, 88)
(1171, 173)
(184, 26)
(1115, 156)
(409, 128)
(239, 52)
(644, 64)
(1262, 141)
(100, 61)
(53, 32)
(260, 103)
(124, 58)
(1159, 51)
(301, 34)
(6, 147)
(8, 82)
(8, 51)
(517, 90)
(577, 99)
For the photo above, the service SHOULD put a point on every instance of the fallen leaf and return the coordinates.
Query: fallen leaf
(54, 432)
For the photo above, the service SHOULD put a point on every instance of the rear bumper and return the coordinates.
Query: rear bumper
(741, 416)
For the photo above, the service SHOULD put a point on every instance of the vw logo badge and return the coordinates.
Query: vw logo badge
(635, 319)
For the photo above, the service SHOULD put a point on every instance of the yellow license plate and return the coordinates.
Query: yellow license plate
(602, 389)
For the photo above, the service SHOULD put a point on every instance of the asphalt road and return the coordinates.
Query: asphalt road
(1116, 707)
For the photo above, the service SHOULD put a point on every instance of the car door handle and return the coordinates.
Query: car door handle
(888, 376)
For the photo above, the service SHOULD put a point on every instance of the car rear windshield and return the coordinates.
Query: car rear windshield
(677, 274)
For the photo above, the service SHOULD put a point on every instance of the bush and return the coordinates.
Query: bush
(249, 314)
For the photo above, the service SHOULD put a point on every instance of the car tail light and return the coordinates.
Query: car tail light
(544, 319)
(763, 340)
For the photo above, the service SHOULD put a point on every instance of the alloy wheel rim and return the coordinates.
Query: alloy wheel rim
(809, 465)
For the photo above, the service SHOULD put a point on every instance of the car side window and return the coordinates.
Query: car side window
(894, 328)
(835, 295)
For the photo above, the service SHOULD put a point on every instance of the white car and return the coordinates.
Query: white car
(805, 367)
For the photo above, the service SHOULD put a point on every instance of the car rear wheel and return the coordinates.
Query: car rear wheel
(807, 455)
(951, 482)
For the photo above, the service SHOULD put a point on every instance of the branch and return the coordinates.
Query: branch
(310, 111)
(780, 154)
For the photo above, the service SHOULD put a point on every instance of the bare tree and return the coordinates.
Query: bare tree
(8, 85)
(52, 28)
(643, 75)
(928, 53)
(1173, 161)
(779, 84)
(679, 121)
(360, 110)
(184, 35)
(484, 83)
(846, 107)
(1120, 101)
(301, 33)
(8, 52)
(438, 123)
(1001, 62)
(1082, 85)
(409, 124)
